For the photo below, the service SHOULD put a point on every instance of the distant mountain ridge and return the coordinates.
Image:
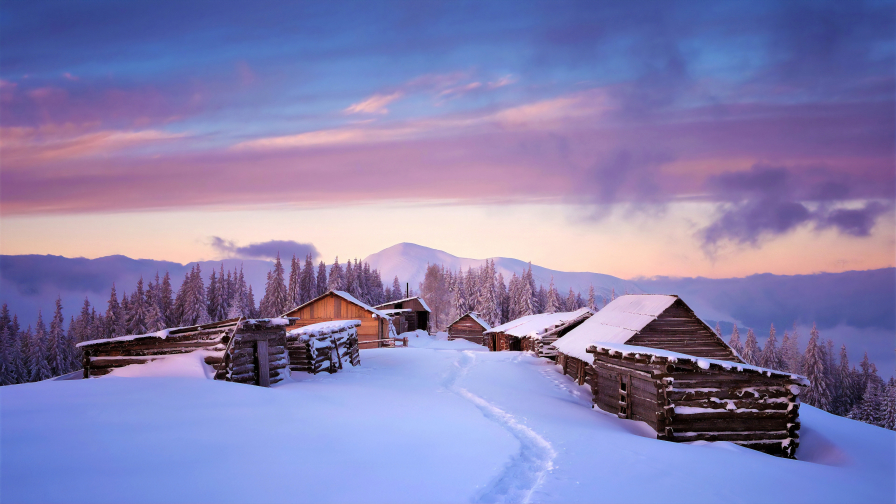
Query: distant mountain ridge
(408, 261)
(854, 307)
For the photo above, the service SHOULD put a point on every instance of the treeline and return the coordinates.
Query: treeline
(40, 352)
(451, 294)
(835, 387)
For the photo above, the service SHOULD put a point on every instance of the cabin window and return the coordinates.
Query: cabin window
(622, 386)
(399, 306)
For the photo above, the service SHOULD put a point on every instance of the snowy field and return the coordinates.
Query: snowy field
(438, 422)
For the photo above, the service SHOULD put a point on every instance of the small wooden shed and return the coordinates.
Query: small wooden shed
(408, 314)
(470, 327)
(649, 358)
(535, 333)
(686, 398)
(376, 326)
(325, 346)
(249, 351)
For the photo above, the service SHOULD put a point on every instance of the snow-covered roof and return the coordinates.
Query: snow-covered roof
(538, 324)
(701, 362)
(475, 316)
(418, 298)
(396, 311)
(346, 296)
(164, 333)
(328, 327)
(615, 323)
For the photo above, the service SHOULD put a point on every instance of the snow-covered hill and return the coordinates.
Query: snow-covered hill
(408, 261)
(439, 422)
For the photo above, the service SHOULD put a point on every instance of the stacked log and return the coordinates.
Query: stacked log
(686, 398)
(326, 346)
(231, 348)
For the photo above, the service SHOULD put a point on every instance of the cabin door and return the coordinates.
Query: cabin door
(423, 320)
(625, 400)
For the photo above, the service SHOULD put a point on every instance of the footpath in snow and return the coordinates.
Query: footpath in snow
(438, 422)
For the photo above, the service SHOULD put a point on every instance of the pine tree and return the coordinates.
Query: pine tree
(6, 375)
(751, 349)
(137, 316)
(770, 356)
(718, 330)
(871, 409)
(115, 323)
(250, 303)
(613, 294)
(489, 288)
(502, 299)
(792, 354)
(322, 280)
(57, 353)
(734, 342)
(336, 276)
(18, 364)
(292, 287)
(211, 294)
(541, 300)
(843, 396)
(553, 298)
(818, 394)
(592, 304)
(219, 303)
(237, 302)
(308, 287)
(396, 290)
(166, 301)
(274, 300)
(889, 407)
(570, 304)
(154, 319)
(37, 359)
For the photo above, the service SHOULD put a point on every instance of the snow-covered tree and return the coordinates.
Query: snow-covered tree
(396, 290)
(592, 302)
(37, 357)
(57, 350)
(871, 408)
(115, 323)
(751, 349)
(818, 393)
(553, 304)
(771, 356)
(166, 301)
(734, 341)
(308, 285)
(570, 304)
(791, 352)
(293, 290)
(322, 281)
(337, 277)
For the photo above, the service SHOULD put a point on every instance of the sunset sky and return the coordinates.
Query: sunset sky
(708, 139)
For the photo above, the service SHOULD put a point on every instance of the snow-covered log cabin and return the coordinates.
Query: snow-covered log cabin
(470, 327)
(408, 314)
(649, 358)
(249, 351)
(325, 346)
(535, 333)
(376, 326)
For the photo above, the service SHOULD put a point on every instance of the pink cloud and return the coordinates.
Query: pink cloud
(70, 77)
(375, 104)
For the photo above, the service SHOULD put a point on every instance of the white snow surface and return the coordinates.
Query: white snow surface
(538, 324)
(617, 322)
(442, 421)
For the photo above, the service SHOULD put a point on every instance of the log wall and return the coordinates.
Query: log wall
(326, 351)
(233, 350)
(678, 329)
(684, 402)
(332, 307)
(468, 329)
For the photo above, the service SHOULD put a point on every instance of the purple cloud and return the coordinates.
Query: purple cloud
(264, 250)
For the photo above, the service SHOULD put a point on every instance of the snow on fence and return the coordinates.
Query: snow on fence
(686, 398)
(324, 346)
(251, 351)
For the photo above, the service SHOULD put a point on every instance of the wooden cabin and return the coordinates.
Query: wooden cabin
(650, 358)
(408, 314)
(375, 329)
(470, 327)
(251, 351)
(325, 346)
(685, 398)
(649, 320)
(535, 333)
